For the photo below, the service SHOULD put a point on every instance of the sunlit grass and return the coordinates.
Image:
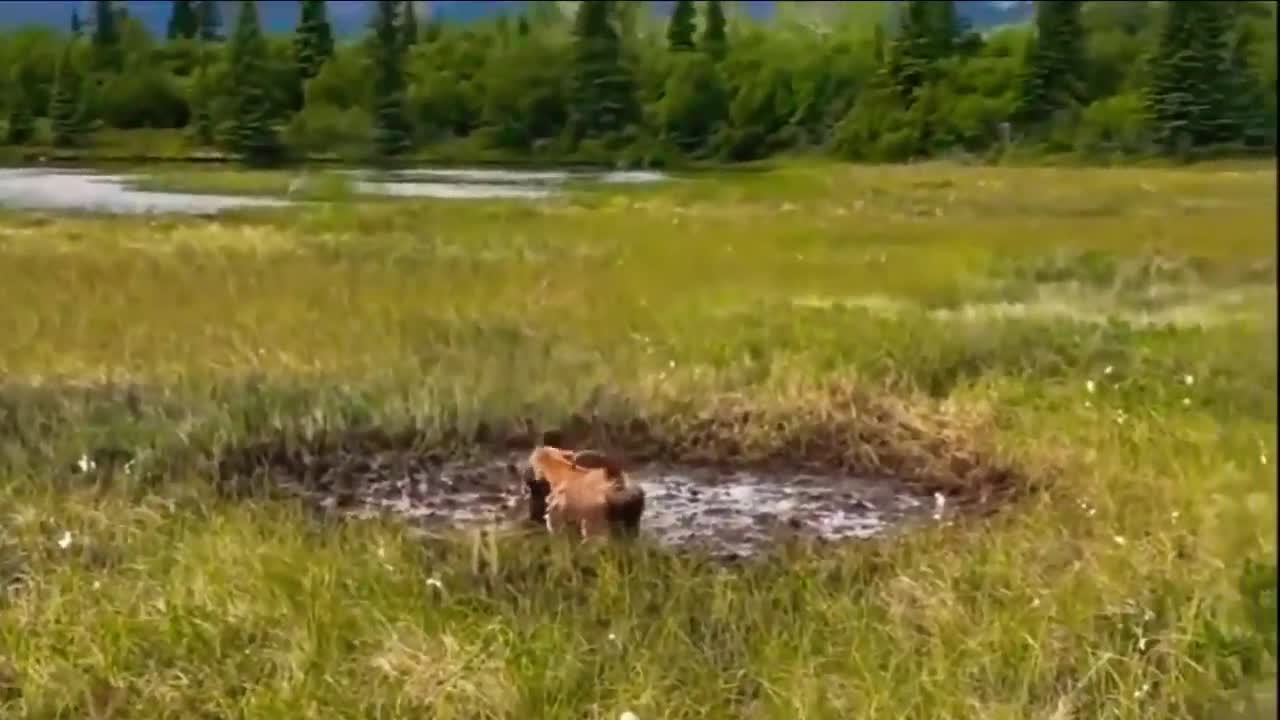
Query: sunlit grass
(1133, 587)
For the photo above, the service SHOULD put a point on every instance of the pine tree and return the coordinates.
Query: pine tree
(65, 103)
(1188, 104)
(1052, 78)
(391, 133)
(252, 133)
(106, 37)
(602, 89)
(715, 41)
(943, 27)
(76, 30)
(681, 28)
(522, 26)
(182, 20)
(201, 117)
(926, 34)
(322, 32)
(911, 57)
(22, 122)
(1210, 41)
(1246, 103)
(410, 25)
(312, 39)
(209, 20)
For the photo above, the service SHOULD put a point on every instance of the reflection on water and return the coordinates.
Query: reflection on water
(52, 189)
(82, 190)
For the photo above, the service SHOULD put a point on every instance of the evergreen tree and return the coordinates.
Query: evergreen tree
(391, 133)
(911, 60)
(926, 34)
(304, 53)
(602, 89)
(943, 27)
(1185, 96)
(22, 122)
(82, 123)
(75, 24)
(65, 104)
(183, 22)
(313, 39)
(209, 20)
(694, 104)
(1210, 40)
(1053, 77)
(715, 40)
(410, 25)
(681, 28)
(1245, 109)
(106, 37)
(252, 133)
(522, 26)
(201, 92)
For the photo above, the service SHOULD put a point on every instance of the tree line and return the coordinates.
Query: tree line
(881, 82)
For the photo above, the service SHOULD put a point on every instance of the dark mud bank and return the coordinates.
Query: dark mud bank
(705, 489)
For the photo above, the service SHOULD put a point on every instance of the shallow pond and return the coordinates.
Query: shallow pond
(71, 189)
(727, 513)
(64, 189)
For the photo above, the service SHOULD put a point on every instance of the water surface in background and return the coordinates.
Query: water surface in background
(77, 190)
(73, 189)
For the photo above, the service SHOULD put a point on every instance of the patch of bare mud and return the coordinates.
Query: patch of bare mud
(833, 463)
(725, 513)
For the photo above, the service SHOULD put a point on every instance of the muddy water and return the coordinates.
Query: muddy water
(729, 514)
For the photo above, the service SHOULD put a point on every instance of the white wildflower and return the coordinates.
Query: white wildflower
(1088, 405)
(1090, 387)
(1142, 690)
(1175, 515)
(1186, 402)
(435, 583)
(1262, 459)
(86, 464)
(1188, 380)
(64, 542)
(628, 715)
(1107, 370)
(97, 585)
(1120, 540)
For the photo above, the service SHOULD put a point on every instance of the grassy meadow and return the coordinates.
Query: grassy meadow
(1108, 333)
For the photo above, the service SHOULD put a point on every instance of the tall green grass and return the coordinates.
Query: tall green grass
(1140, 583)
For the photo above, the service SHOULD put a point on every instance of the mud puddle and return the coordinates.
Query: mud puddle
(725, 513)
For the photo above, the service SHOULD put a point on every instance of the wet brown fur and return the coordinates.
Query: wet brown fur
(587, 490)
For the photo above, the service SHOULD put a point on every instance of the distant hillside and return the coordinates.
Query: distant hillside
(350, 16)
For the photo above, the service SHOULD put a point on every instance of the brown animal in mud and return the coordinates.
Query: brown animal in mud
(585, 490)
